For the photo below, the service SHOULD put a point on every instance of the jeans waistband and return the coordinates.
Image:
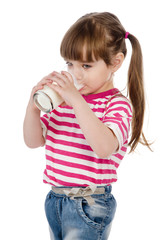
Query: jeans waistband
(85, 192)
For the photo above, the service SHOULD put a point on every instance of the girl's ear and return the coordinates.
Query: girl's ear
(117, 61)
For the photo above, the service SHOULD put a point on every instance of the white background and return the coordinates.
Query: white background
(30, 36)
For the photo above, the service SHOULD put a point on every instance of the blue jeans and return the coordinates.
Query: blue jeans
(76, 219)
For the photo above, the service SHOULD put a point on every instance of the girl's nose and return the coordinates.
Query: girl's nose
(78, 73)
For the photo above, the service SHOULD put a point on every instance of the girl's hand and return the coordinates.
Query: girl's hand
(64, 86)
(39, 86)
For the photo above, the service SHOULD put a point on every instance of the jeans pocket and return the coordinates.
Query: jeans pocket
(93, 215)
(112, 205)
(50, 205)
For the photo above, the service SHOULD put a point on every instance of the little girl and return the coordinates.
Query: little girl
(87, 136)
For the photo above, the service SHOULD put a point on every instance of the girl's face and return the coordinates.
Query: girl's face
(95, 76)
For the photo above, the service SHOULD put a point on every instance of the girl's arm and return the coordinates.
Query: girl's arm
(101, 139)
(32, 129)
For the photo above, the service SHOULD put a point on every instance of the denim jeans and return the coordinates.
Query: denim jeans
(76, 220)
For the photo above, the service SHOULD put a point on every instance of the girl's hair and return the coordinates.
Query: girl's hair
(103, 36)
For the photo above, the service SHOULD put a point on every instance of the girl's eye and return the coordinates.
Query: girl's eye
(69, 64)
(86, 66)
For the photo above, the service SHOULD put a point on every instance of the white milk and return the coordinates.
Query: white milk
(47, 99)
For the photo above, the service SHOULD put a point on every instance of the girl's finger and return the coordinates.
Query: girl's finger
(61, 76)
(57, 81)
(36, 88)
(55, 87)
(44, 81)
(67, 75)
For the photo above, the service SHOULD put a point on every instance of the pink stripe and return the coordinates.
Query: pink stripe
(112, 118)
(120, 119)
(129, 121)
(70, 184)
(124, 149)
(120, 102)
(66, 133)
(67, 143)
(78, 155)
(119, 156)
(80, 166)
(63, 123)
(77, 176)
(65, 107)
(118, 115)
(118, 109)
(100, 110)
(101, 94)
(116, 164)
(44, 121)
(46, 116)
(70, 115)
(98, 102)
(119, 125)
(125, 128)
(63, 114)
(62, 183)
(126, 131)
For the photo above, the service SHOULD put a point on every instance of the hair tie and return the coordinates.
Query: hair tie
(126, 35)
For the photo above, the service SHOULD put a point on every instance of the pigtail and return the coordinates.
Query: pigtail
(136, 94)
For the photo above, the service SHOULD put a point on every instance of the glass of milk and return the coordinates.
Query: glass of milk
(47, 99)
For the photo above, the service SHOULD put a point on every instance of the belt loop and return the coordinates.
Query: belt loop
(90, 200)
(108, 188)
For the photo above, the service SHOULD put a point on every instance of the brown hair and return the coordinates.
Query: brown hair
(104, 36)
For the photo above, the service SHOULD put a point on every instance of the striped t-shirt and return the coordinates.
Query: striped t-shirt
(70, 161)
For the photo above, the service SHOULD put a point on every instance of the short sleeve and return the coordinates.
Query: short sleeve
(44, 122)
(118, 117)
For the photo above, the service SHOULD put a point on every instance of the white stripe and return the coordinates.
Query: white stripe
(50, 181)
(65, 128)
(67, 138)
(71, 149)
(70, 119)
(82, 182)
(70, 179)
(115, 159)
(80, 161)
(79, 171)
(117, 132)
